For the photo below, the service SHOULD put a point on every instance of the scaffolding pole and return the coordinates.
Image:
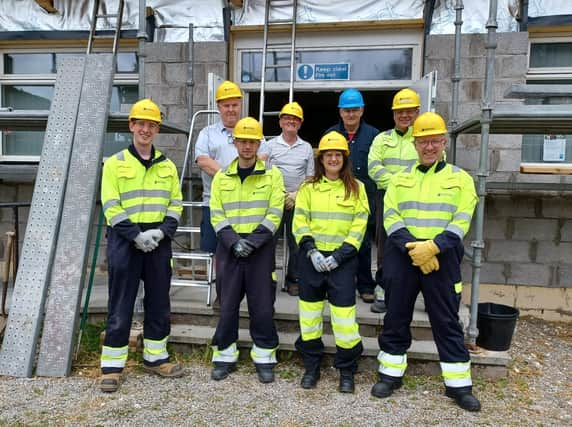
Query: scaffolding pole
(456, 78)
(483, 171)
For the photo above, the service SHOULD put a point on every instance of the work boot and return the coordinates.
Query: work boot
(385, 386)
(464, 397)
(367, 297)
(293, 289)
(347, 384)
(378, 306)
(222, 370)
(265, 372)
(109, 383)
(310, 378)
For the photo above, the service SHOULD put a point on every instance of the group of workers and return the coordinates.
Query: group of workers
(395, 185)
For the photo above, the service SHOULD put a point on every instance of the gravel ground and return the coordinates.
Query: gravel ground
(538, 391)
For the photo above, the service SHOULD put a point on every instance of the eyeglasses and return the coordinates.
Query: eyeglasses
(432, 142)
(143, 123)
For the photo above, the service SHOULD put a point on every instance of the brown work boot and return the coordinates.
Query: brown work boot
(293, 289)
(167, 370)
(367, 297)
(109, 383)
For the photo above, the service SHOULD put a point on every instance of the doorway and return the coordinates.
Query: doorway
(321, 111)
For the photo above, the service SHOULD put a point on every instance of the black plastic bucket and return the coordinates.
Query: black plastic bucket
(496, 323)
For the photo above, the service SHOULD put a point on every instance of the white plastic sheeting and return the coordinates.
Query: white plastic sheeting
(312, 11)
(475, 16)
(172, 17)
(538, 8)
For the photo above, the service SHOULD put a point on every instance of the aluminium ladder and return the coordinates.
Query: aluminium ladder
(270, 24)
(191, 254)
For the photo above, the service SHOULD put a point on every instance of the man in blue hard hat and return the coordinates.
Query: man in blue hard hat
(360, 136)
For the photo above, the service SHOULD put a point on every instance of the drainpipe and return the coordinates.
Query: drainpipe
(141, 38)
(456, 78)
(486, 118)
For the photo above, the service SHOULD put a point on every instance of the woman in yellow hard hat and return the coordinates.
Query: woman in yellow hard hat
(330, 220)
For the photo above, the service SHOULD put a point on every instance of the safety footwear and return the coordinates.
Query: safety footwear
(310, 379)
(167, 370)
(293, 289)
(464, 397)
(109, 383)
(385, 386)
(367, 297)
(378, 306)
(265, 372)
(222, 370)
(347, 384)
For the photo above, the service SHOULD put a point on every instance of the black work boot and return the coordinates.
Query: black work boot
(222, 370)
(310, 378)
(378, 306)
(347, 384)
(265, 372)
(385, 386)
(464, 397)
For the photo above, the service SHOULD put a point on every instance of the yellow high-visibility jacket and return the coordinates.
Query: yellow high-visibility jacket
(429, 203)
(129, 191)
(323, 213)
(389, 154)
(258, 200)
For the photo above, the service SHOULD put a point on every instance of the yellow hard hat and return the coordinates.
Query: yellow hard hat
(227, 89)
(247, 128)
(334, 141)
(293, 109)
(405, 98)
(145, 110)
(429, 124)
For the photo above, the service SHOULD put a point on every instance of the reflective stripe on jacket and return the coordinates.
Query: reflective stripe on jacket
(431, 202)
(389, 154)
(259, 199)
(323, 213)
(129, 191)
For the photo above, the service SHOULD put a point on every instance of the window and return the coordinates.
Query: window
(550, 62)
(27, 83)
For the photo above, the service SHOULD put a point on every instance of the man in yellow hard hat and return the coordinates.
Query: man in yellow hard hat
(141, 200)
(294, 157)
(428, 211)
(391, 152)
(246, 204)
(359, 135)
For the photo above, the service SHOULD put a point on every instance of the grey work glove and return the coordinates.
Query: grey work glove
(144, 242)
(318, 260)
(243, 248)
(156, 234)
(331, 263)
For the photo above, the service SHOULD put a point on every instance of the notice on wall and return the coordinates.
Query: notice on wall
(554, 149)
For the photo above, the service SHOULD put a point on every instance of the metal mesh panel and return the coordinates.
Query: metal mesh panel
(68, 272)
(19, 345)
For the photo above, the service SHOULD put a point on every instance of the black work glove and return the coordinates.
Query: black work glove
(243, 248)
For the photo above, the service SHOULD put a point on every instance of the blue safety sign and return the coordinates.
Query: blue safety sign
(323, 71)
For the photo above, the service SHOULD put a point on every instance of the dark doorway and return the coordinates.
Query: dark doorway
(321, 111)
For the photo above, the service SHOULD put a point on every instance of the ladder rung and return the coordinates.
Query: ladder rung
(111, 15)
(207, 256)
(187, 282)
(271, 113)
(189, 229)
(103, 36)
(281, 22)
(277, 66)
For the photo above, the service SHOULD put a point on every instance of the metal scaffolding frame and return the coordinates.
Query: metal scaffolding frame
(515, 119)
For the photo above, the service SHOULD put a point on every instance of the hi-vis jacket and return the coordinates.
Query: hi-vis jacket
(131, 192)
(429, 203)
(244, 206)
(323, 213)
(389, 154)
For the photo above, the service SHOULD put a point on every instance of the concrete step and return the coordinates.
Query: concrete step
(488, 363)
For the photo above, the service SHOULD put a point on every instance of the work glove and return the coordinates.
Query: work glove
(144, 242)
(243, 248)
(430, 266)
(331, 263)
(290, 200)
(318, 260)
(422, 252)
(156, 234)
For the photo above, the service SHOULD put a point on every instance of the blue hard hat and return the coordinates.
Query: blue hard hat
(351, 98)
